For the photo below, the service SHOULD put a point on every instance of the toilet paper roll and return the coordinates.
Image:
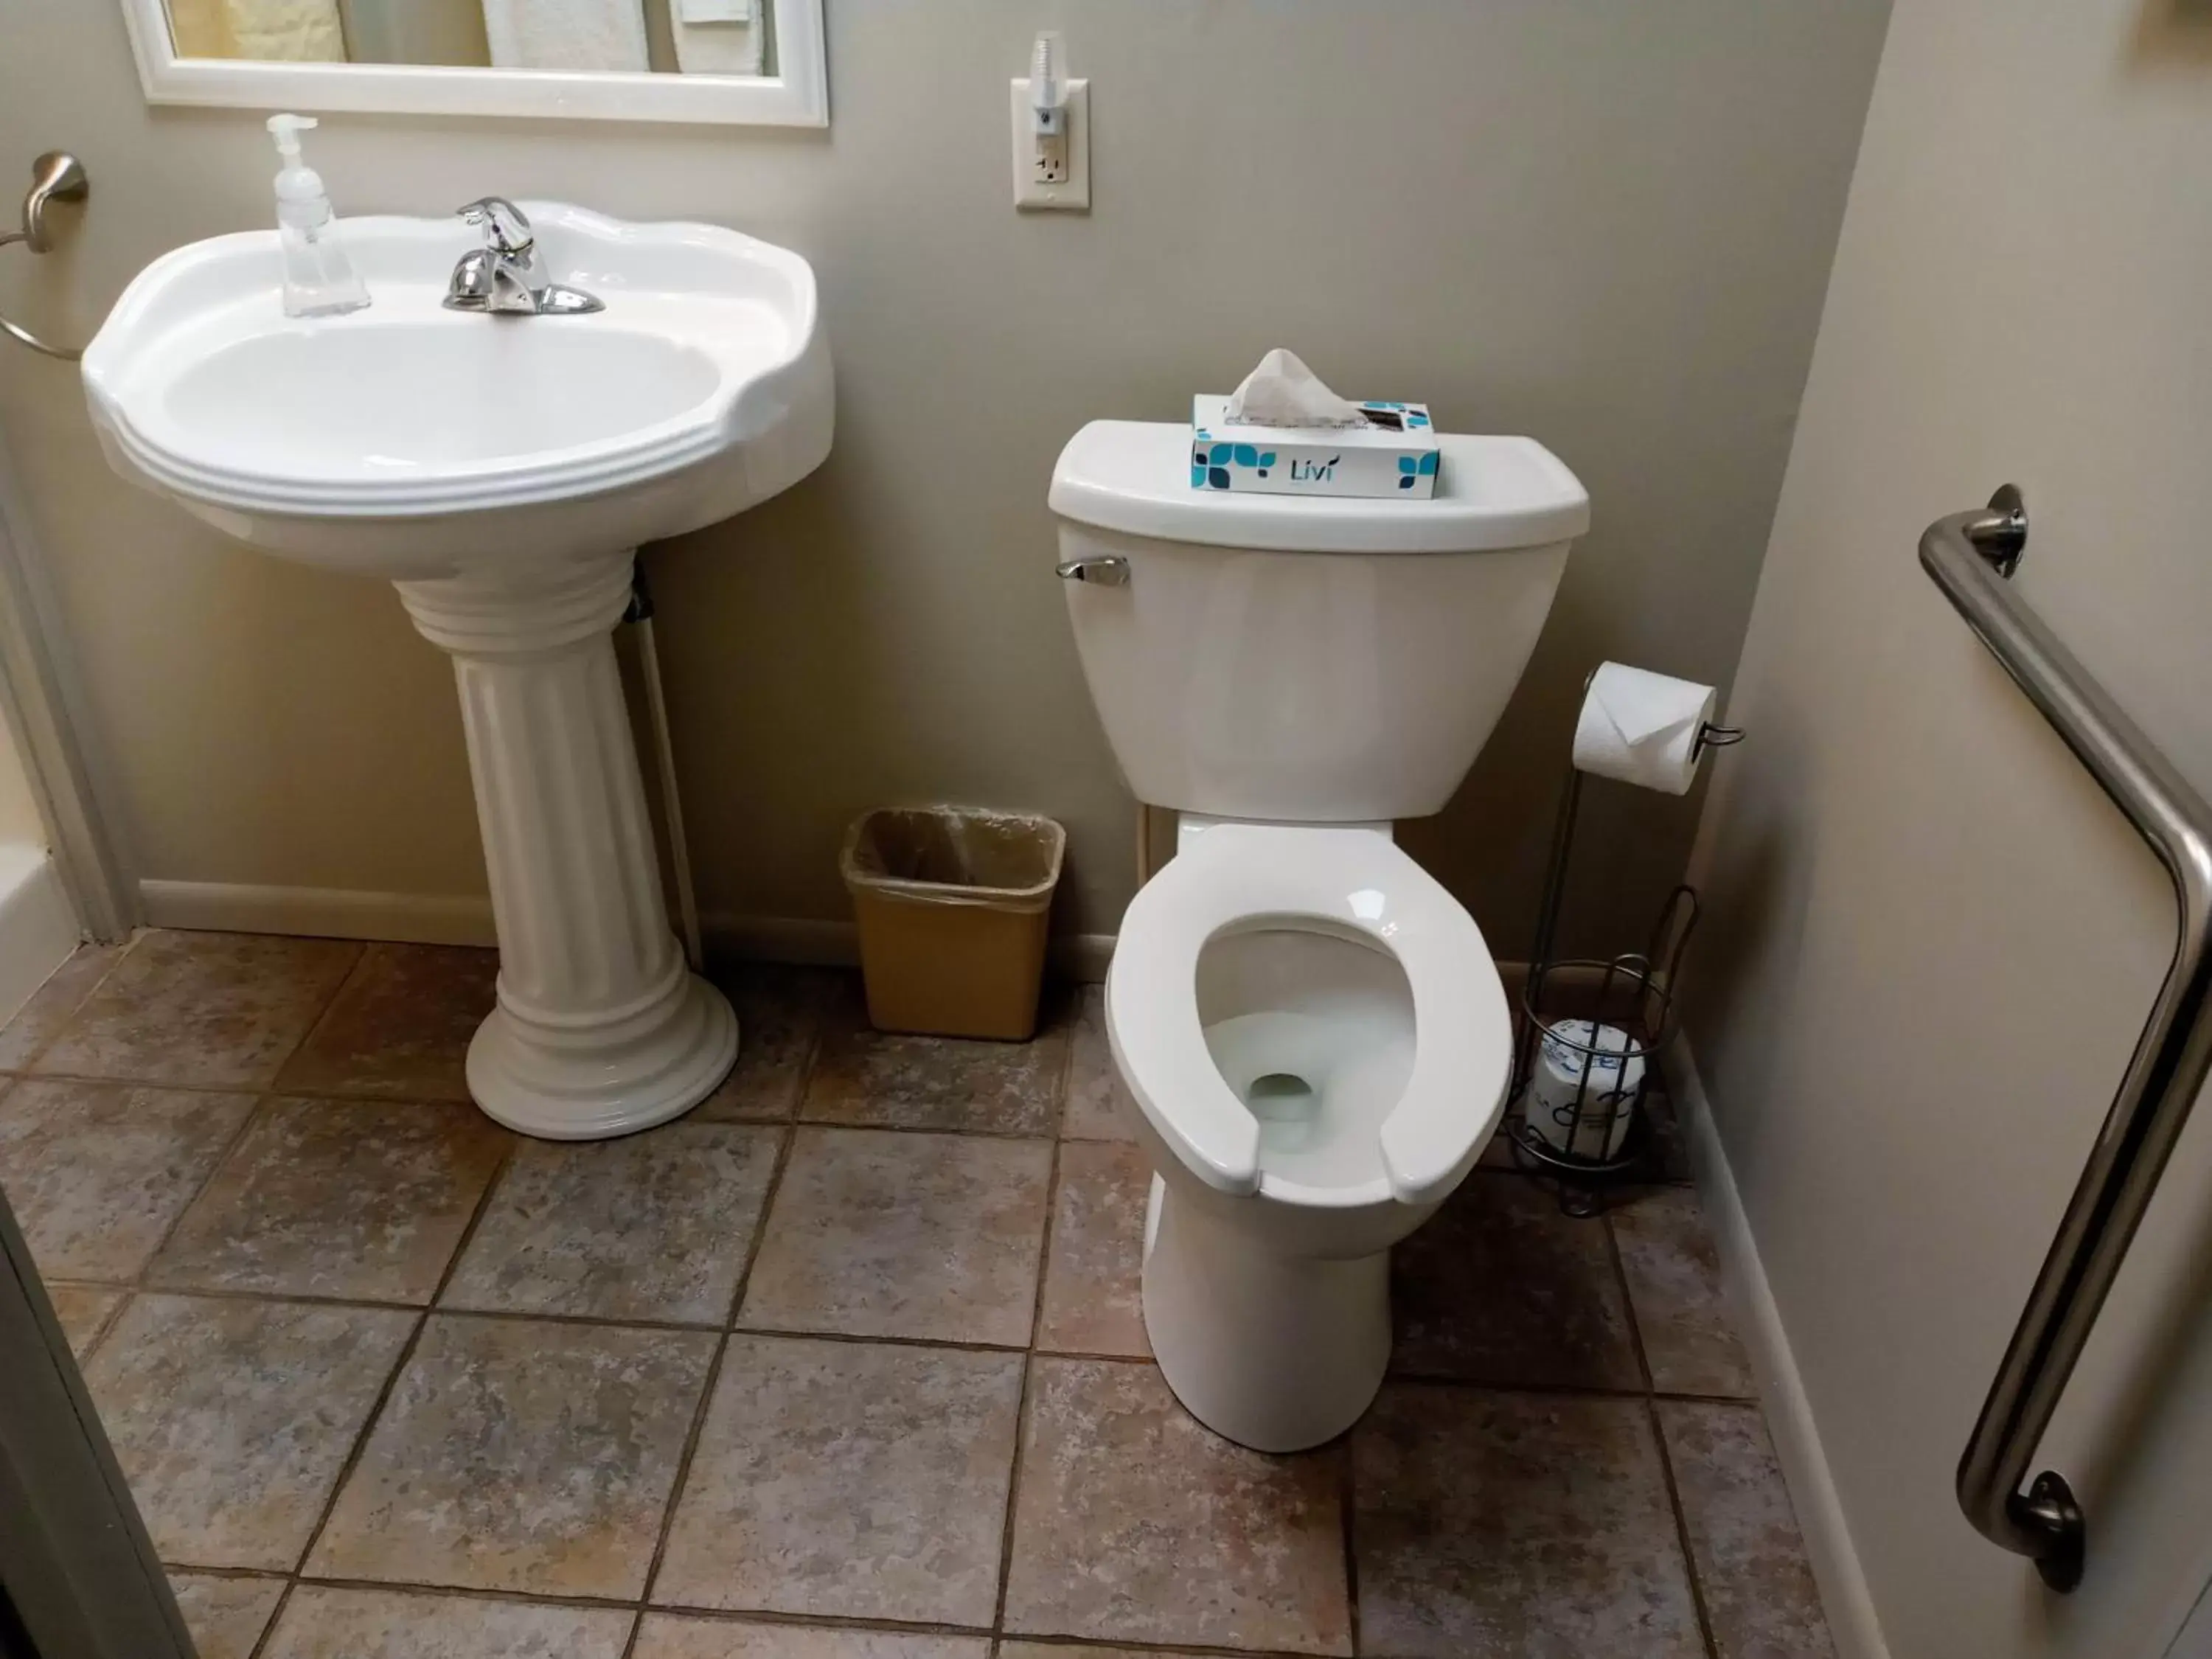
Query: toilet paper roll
(1642, 728)
(1582, 1102)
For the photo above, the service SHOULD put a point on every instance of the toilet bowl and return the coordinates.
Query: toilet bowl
(1312, 1027)
(1318, 1046)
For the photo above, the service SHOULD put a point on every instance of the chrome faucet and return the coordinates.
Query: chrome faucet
(506, 276)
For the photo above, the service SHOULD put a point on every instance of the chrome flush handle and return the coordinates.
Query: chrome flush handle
(1099, 569)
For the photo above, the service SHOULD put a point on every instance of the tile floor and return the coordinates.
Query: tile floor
(847, 1364)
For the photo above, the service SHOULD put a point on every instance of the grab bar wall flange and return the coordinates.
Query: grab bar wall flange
(1972, 557)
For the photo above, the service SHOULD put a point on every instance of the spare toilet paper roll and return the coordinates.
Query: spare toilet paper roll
(1642, 728)
(1583, 1096)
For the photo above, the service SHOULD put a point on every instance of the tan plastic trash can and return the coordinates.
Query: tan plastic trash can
(953, 906)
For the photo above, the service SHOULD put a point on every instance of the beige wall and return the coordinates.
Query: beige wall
(1607, 226)
(19, 808)
(1934, 943)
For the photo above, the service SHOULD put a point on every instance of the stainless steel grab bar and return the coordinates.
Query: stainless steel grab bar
(56, 176)
(1972, 557)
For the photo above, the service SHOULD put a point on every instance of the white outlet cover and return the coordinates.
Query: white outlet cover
(713, 11)
(1074, 195)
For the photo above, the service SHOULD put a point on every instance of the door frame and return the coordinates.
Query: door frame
(42, 700)
(76, 1560)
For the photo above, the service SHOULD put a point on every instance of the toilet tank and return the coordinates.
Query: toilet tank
(1307, 659)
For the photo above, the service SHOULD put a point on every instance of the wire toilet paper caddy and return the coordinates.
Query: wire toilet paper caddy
(1591, 1030)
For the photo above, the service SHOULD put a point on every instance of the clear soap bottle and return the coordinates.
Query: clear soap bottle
(319, 280)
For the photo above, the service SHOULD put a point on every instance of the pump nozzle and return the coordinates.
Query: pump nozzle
(286, 129)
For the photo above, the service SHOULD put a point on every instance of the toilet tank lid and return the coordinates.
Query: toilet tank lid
(1492, 492)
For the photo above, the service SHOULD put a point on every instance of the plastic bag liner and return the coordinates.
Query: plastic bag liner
(953, 906)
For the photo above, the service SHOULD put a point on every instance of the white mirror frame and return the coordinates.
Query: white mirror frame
(797, 95)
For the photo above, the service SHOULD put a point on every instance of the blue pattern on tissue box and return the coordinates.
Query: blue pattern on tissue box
(1210, 461)
(1411, 470)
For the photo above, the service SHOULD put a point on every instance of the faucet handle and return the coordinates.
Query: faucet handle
(504, 225)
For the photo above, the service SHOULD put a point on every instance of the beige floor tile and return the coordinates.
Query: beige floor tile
(679, 1636)
(519, 1455)
(1491, 1525)
(324, 1622)
(1750, 1557)
(1093, 1279)
(849, 1479)
(361, 1199)
(51, 1005)
(881, 1234)
(864, 1076)
(1079, 1650)
(97, 1173)
(83, 1311)
(1098, 1105)
(1135, 1524)
(1673, 1276)
(653, 1226)
(226, 1615)
(1499, 1287)
(218, 1010)
(400, 1028)
(232, 1419)
(779, 1012)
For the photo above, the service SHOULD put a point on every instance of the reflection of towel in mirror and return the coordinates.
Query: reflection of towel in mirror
(716, 48)
(294, 31)
(566, 34)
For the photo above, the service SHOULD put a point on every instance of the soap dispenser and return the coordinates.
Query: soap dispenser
(319, 280)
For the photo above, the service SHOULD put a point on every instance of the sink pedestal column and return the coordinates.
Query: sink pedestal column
(600, 1029)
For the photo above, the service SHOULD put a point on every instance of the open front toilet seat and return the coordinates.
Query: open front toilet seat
(1350, 882)
(1319, 966)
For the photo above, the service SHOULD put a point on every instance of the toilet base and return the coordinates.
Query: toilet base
(1277, 1352)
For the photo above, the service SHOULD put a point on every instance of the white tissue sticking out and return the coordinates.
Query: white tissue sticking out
(1283, 391)
(1642, 728)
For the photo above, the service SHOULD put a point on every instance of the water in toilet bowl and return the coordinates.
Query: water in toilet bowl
(1313, 1032)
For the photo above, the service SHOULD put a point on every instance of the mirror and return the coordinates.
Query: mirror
(756, 60)
(682, 37)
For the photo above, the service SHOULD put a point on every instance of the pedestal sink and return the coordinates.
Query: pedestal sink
(500, 470)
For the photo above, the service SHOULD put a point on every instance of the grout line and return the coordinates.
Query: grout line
(325, 1096)
(375, 1414)
(1086, 1644)
(1055, 1172)
(1690, 1574)
(1348, 1498)
(82, 1003)
(1007, 1522)
(322, 1014)
(806, 1122)
(230, 1145)
(698, 1425)
(465, 1593)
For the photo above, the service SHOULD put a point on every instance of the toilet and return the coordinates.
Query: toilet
(1312, 1029)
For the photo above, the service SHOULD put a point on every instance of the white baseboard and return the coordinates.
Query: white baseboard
(1079, 956)
(39, 926)
(1851, 1618)
(225, 907)
(438, 919)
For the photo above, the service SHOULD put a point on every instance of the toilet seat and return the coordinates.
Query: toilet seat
(1346, 880)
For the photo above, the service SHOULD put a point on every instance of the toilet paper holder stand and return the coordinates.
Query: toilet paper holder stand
(1573, 1007)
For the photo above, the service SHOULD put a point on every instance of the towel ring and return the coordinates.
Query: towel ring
(56, 176)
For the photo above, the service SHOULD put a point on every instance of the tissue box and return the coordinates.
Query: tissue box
(1395, 454)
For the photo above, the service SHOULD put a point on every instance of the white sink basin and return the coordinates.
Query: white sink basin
(502, 470)
(703, 388)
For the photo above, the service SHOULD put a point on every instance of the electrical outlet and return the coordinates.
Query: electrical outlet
(1052, 171)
